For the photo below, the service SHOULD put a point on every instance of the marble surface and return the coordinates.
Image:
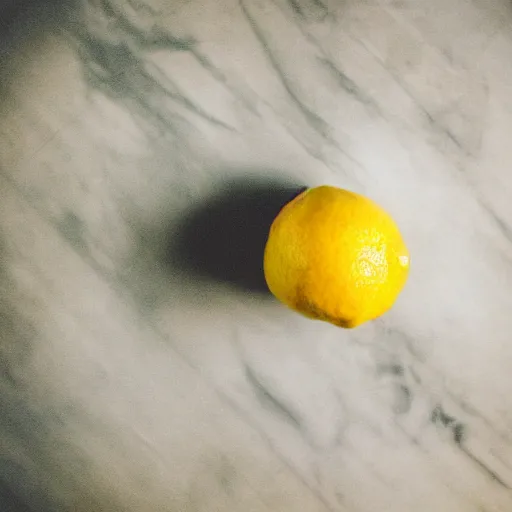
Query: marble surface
(141, 372)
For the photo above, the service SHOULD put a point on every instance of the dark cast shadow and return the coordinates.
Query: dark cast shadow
(224, 238)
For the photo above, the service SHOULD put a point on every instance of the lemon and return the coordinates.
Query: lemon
(336, 256)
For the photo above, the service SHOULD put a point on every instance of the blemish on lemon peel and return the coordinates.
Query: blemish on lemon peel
(336, 256)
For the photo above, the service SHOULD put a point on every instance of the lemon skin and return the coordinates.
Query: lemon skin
(336, 256)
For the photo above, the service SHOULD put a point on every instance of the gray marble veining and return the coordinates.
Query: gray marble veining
(133, 376)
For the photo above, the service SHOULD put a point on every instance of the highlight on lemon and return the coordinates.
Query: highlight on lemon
(336, 256)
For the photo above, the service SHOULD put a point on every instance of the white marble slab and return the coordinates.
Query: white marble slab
(129, 130)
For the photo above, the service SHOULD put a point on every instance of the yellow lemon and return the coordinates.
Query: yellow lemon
(335, 255)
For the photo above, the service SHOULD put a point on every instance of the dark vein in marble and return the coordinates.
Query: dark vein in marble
(459, 433)
(397, 80)
(106, 68)
(492, 427)
(244, 416)
(268, 399)
(402, 393)
(342, 79)
(179, 97)
(301, 11)
(153, 39)
(142, 7)
(320, 4)
(17, 335)
(404, 399)
(433, 121)
(294, 4)
(163, 40)
(347, 84)
(439, 416)
(323, 129)
(72, 228)
(159, 39)
(314, 120)
(120, 72)
(469, 409)
(16, 332)
(396, 369)
(408, 342)
(314, 154)
(505, 230)
(486, 469)
(221, 78)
